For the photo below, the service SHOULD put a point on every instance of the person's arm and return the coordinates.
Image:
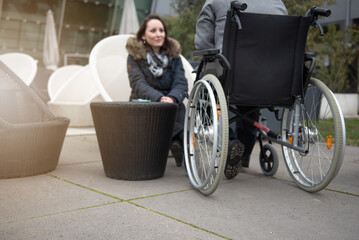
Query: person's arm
(205, 27)
(179, 85)
(138, 82)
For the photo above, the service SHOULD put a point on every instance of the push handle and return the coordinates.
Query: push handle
(237, 5)
(322, 12)
(314, 12)
(317, 11)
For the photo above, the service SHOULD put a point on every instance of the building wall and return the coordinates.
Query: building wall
(80, 24)
(162, 7)
(340, 12)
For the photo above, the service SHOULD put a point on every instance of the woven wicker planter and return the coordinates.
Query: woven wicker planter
(31, 137)
(134, 138)
(30, 148)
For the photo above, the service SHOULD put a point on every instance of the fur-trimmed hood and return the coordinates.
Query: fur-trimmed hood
(137, 49)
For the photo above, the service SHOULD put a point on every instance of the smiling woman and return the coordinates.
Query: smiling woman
(156, 72)
(154, 34)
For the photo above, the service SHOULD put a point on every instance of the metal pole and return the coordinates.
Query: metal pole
(61, 21)
(347, 19)
(0, 9)
(114, 17)
(154, 7)
(296, 122)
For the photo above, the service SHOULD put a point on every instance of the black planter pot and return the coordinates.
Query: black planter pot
(134, 138)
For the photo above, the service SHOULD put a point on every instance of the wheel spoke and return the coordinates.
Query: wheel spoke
(205, 168)
(315, 170)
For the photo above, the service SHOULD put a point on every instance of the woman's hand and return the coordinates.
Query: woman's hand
(166, 99)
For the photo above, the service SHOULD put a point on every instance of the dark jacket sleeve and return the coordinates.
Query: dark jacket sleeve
(138, 83)
(179, 84)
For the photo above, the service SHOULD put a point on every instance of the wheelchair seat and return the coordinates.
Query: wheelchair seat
(266, 55)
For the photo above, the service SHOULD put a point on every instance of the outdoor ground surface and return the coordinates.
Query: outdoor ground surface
(77, 201)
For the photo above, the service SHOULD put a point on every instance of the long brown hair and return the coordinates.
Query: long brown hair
(167, 45)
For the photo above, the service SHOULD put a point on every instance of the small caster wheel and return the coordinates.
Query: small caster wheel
(268, 160)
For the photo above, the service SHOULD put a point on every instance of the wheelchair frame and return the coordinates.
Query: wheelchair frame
(207, 122)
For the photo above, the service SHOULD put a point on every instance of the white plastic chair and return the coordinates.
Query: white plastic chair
(108, 63)
(108, 60)
(73, 98)
(59, 77)
(188, 69)
(23, 65)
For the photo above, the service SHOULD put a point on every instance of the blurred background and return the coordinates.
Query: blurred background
(80, 24)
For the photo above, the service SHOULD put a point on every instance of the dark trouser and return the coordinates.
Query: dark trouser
(177, 133)
(244, 131)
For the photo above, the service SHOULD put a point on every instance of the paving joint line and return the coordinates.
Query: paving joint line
(158, 195)
(117, 198)
(68, 211)
(87, 188)
(70, 164)
(326, 189)
(178, 220)
(132, 203)
(342, 192)
(83, 137)
(286, 180)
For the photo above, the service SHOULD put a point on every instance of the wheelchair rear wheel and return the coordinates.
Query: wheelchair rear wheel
(322, 132)
(206, 134)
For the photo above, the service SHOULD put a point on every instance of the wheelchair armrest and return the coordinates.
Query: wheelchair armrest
(209, 55)
(308, 56)
(206, 52)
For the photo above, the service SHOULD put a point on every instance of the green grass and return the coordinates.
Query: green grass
(352, 130)
(352, 127)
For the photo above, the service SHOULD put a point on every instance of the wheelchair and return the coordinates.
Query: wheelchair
(264, 65)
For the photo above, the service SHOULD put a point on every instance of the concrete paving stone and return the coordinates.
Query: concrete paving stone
(115, 221)
(80, 149)
(73, 203)
(265, 208)
(93, 176)
(28, 197)
(80, 131)
(255, 169)
(84, 149)
(347, 179)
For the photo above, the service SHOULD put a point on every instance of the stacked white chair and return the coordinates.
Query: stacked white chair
(23, 65)
(108, 63)
(59, 77)
(73, 96)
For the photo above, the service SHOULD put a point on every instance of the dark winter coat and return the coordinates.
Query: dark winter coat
(144, 85)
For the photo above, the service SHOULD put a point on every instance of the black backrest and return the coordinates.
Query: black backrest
(266, 57)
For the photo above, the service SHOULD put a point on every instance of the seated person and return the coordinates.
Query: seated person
(156, 73)
(209, 34)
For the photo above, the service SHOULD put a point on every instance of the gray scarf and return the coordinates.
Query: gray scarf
(157, 63)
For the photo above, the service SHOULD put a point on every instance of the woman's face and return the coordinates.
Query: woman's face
(154, 34)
